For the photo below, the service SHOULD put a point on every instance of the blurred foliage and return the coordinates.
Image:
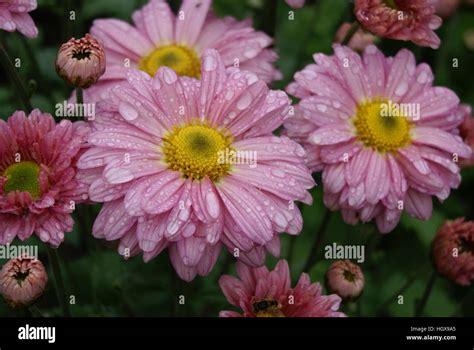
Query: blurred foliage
(103, 284)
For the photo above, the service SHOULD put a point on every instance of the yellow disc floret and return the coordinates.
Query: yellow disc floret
(183, 60)
(23, 177)
(380, 128)
(197, 150)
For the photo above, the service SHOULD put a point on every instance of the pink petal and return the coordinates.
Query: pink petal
(156, 20)
(189, 28)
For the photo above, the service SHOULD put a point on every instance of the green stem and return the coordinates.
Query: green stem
(35, 311)
(270, 17)
(79, 96)
(36, 68)
(58, 279)
(426, 294)
(228, 258)
(15, 78)
(313, 253)
(387, 302)
(291, 249)
(352, 30)
(68, 30)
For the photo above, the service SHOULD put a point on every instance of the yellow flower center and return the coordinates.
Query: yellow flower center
(183, 60)
(23, 177)
(267, 308)
(197, 150)
(379, 126)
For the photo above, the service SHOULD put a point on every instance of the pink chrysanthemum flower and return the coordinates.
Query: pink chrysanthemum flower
(189, 164)
(14, 16)
(159, 38)
(22, 281)
(38, 187)
(408, 20)
(453, 251)
(263, 293)
(384, 137)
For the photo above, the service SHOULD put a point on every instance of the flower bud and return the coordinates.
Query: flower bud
(81, 62)
(345, 279)
(22, 281)
(453, 251)
(359, 41)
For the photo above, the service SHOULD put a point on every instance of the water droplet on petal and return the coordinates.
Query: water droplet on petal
(401, 89)
(322, 108)
(210, 63)
(244, 101)
(128, 111)
(170, 76)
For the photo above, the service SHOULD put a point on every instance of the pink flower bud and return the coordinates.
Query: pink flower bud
(359, 41)
(22, 281)
(453, 251)
(345, 279)
(81, 62)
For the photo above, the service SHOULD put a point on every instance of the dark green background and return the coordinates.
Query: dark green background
(105, 285)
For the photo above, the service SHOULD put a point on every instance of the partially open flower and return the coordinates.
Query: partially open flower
(22, 281)
(259, 292)
(359, 41)
(81, 62)
(453, 251)
(345, 279)
(408, 20)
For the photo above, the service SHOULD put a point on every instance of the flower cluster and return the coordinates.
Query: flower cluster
(183, 153)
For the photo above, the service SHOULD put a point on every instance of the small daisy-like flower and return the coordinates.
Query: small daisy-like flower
(160, 38)
(453, 251)
(345, 279)
(262, 293)
(22, 281)
(467, 134)
(38, 185)
(384, 137)
(14, 16)
(81, 62)
(408, 20)
(192, 164)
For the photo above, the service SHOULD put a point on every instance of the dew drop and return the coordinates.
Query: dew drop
(128, 111)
